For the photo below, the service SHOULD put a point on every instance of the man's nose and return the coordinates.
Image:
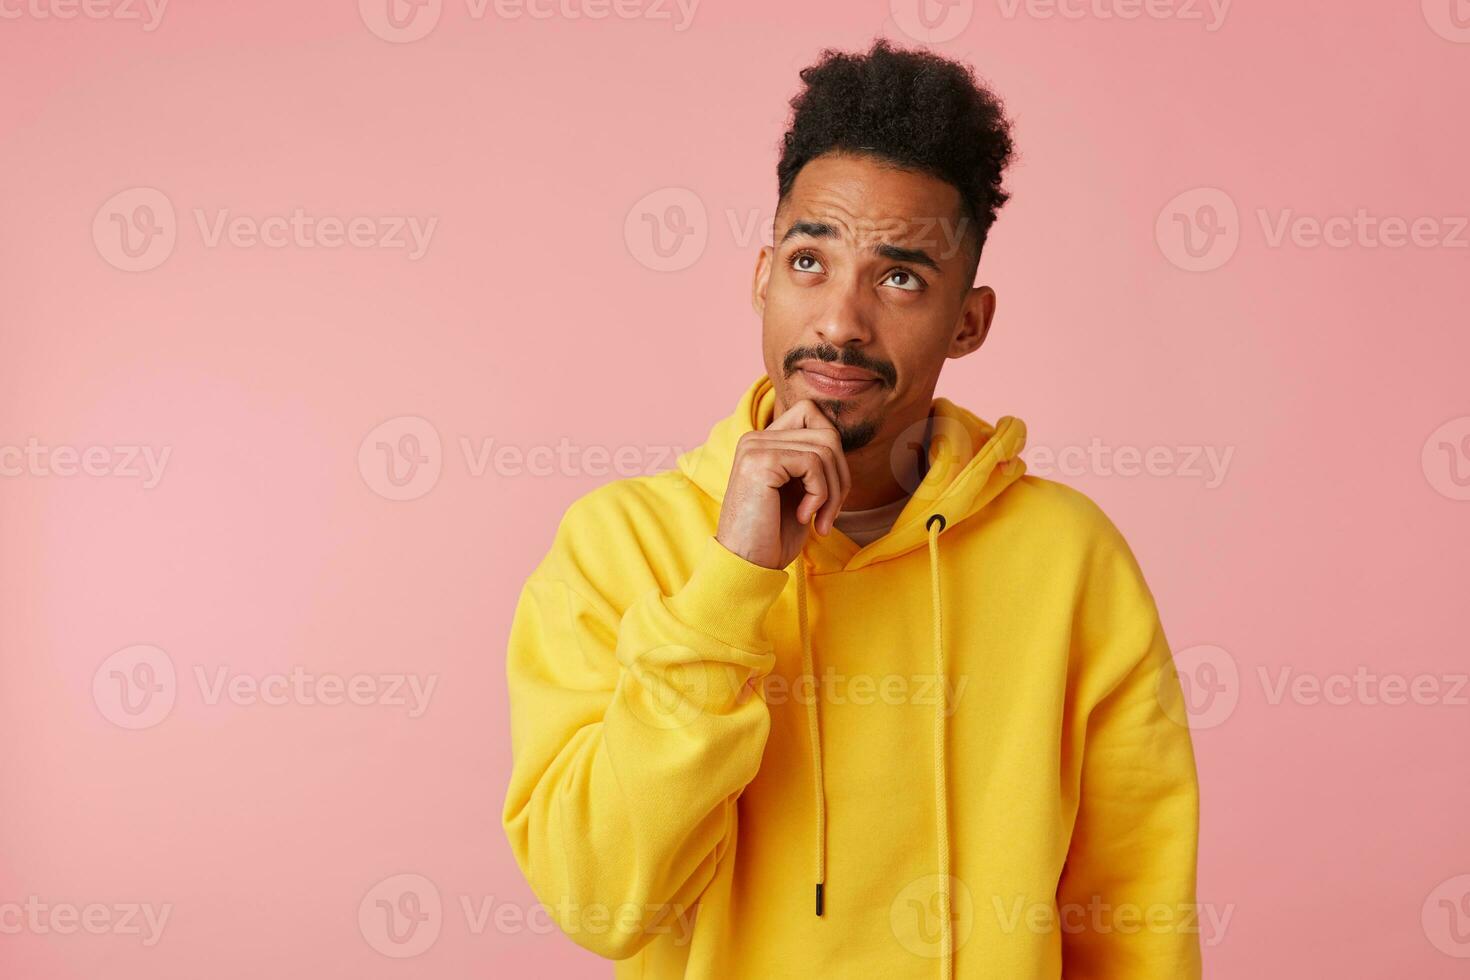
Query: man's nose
(845, 320)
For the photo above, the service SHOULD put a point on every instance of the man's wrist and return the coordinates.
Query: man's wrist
(728, 597)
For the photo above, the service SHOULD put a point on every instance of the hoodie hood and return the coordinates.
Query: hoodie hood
(970, 462)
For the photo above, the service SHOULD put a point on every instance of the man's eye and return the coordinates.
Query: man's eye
(905, 280)
(805, 262)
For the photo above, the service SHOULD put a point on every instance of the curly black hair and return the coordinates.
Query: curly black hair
(910, 108)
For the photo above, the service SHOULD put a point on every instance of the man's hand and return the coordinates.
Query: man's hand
(786, 478)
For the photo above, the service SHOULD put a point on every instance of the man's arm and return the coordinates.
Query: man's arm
(633, 733)
(1127, 892)
(635, 724)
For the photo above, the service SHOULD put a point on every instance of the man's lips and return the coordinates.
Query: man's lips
(836, 379)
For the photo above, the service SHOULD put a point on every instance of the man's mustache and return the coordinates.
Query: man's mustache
(847, 356)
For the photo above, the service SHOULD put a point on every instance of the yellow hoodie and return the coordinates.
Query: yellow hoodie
(951, 752)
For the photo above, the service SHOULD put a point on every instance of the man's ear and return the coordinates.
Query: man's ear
(762, 278)
(975, 317)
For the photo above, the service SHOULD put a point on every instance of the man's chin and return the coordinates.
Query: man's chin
(856, 431)
(856, 422)
(855, 437)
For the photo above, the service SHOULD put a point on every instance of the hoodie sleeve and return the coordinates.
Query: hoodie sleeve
(1126, 898)
(634, 728)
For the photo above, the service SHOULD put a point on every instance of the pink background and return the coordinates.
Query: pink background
(1336, 539)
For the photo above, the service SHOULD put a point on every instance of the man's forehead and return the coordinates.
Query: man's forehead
(864, 202)
(864, 231)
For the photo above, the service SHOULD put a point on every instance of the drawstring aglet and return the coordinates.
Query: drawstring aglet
(819, 898)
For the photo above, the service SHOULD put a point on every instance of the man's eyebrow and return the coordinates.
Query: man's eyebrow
(820, 229)
(915, 255)
(809, 229)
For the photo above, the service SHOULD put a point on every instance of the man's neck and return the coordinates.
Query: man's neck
(880, 475)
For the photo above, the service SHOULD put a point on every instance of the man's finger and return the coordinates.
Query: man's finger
(825, 447)
(803, 415)
(806, 465)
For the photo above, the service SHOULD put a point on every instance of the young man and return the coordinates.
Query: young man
(847, 694)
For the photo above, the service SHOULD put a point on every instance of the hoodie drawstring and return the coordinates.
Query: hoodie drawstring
(814, 732)
(934, 526)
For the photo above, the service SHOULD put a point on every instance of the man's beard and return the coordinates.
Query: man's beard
(855, 435)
